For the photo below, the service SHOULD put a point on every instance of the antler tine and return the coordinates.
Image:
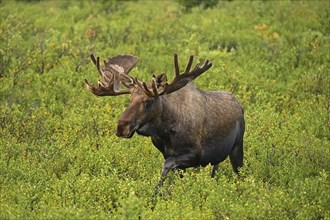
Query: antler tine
(154, 86)
(176, 65)
(93, 59)
(191, 58)
(106, 77)
(97, 63)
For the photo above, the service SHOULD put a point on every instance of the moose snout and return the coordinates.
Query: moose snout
(125, 129)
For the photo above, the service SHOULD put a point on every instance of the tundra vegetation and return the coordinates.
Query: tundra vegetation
(60, 158)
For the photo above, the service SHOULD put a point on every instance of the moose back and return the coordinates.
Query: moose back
(190, 127)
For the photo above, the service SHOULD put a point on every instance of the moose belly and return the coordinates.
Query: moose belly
(218, 150)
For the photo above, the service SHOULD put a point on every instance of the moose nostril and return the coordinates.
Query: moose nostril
(123, 128)
(120, 128)
(119, 131)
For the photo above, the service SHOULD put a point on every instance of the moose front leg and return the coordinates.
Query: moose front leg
(181, 161)
(214, 170)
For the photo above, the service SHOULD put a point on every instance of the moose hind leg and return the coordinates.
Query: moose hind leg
(236, 157)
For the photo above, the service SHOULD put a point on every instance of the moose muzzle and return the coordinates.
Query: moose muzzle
(125, 129)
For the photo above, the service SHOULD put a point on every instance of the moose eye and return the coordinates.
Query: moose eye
(148, 103)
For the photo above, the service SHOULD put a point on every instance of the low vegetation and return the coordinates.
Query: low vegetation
(60, 158)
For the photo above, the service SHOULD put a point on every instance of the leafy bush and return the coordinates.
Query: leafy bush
(189, 4)
(60, 159)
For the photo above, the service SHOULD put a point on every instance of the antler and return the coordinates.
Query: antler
(158, 84)
(161, 87)
(116, 68)
(187, 76)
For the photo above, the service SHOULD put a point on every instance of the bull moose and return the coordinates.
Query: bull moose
(190, 127)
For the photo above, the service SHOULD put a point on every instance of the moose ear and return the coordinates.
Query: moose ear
(123, 62)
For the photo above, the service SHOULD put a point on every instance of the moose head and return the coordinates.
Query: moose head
(145, 105)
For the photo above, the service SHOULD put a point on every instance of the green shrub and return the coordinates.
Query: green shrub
(60, 159)
(189, 4)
